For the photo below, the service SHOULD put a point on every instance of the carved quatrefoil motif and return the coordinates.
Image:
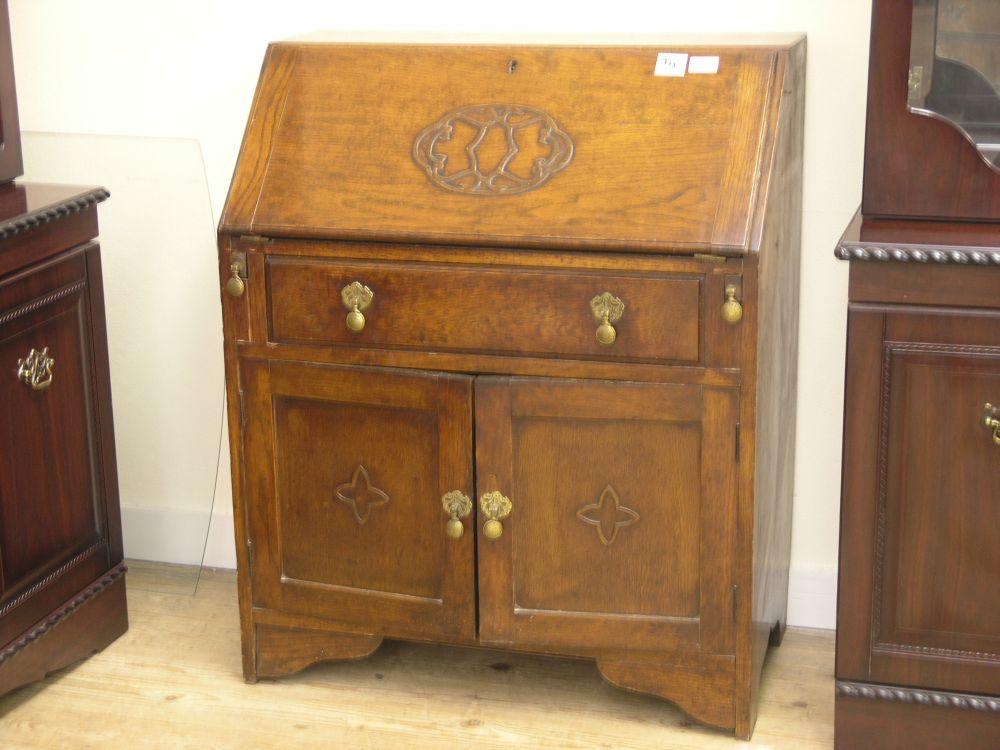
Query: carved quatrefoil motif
(607, 515)
(520, 127)
(361, 495)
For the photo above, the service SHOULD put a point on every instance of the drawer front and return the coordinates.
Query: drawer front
(485, 309)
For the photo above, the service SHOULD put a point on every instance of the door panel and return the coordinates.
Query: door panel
(941, 496)
(925, 503)
(937, 561)
(622, 521)
(346, 468)
(52, 521)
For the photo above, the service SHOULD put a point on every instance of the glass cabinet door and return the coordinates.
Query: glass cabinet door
(955, 68)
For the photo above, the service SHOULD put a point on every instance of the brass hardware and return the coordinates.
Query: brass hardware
(356, 297)
(496, 507)
(458, 506)
(732, 309)
(709, 258)
(235, 285)
(36, 369)
(255, 239)
(991, 420)
(607, 309)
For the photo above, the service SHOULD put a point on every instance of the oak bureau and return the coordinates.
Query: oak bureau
(511, 340)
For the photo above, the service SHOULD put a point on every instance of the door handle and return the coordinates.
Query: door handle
(496, 507)
(991, 420)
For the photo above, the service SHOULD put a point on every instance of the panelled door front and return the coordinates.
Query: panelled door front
(346, 469)
(924, 505)
(620, 526)
(52, 510)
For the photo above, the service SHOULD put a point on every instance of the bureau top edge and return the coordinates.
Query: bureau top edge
(638, 148)
(779, 39)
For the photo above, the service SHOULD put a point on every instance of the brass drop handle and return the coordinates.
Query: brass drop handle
(235, 285)
(991, 420)
(457, 505)
(732, 309)
(496, 507)
(607, 310)
(356, 297)
(35, 370)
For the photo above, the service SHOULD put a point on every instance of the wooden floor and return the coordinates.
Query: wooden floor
(173, 681)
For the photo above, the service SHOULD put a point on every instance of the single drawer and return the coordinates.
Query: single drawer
(485, 309)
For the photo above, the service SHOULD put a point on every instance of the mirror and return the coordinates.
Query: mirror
(955, 68)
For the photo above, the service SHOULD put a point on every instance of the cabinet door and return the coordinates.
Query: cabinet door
(53, 529)
(919, 602)
(346, 468)
(621, 532)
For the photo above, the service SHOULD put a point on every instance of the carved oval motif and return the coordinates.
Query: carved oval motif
(520, 127)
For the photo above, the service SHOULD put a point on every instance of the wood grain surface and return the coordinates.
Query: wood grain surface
(328, 146)
(485, 309)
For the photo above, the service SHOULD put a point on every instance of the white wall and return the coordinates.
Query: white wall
(187, 70)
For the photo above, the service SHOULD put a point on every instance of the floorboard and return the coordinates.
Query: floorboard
(173, 681)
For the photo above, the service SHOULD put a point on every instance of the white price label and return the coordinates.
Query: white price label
(705, 64)
(671, 64)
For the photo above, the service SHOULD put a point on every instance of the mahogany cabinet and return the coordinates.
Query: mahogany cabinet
(510, 343)
(62, 586)
(918, 642)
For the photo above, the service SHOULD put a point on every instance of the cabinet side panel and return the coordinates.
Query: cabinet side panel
(777, 319)
(104, 414)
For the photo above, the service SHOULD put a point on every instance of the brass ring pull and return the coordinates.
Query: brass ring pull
(235, 285)
(36, 369)
(991, 420)
(457, 505)
(607, 309)
(732, 309)
(496, 507)
(356, 297)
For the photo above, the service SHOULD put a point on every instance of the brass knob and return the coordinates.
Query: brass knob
(356, 297)
(606, 309)
(732, 310)
(35, 370)
(496, 507)
(991, 420)
(235, 285)
(457, 505)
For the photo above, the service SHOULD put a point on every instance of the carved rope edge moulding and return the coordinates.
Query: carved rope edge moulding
(51, 213)
(962, 256)
(64, 611)
(921, 697)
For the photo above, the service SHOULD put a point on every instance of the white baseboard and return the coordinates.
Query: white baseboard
(812, 596)
(178, 536)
